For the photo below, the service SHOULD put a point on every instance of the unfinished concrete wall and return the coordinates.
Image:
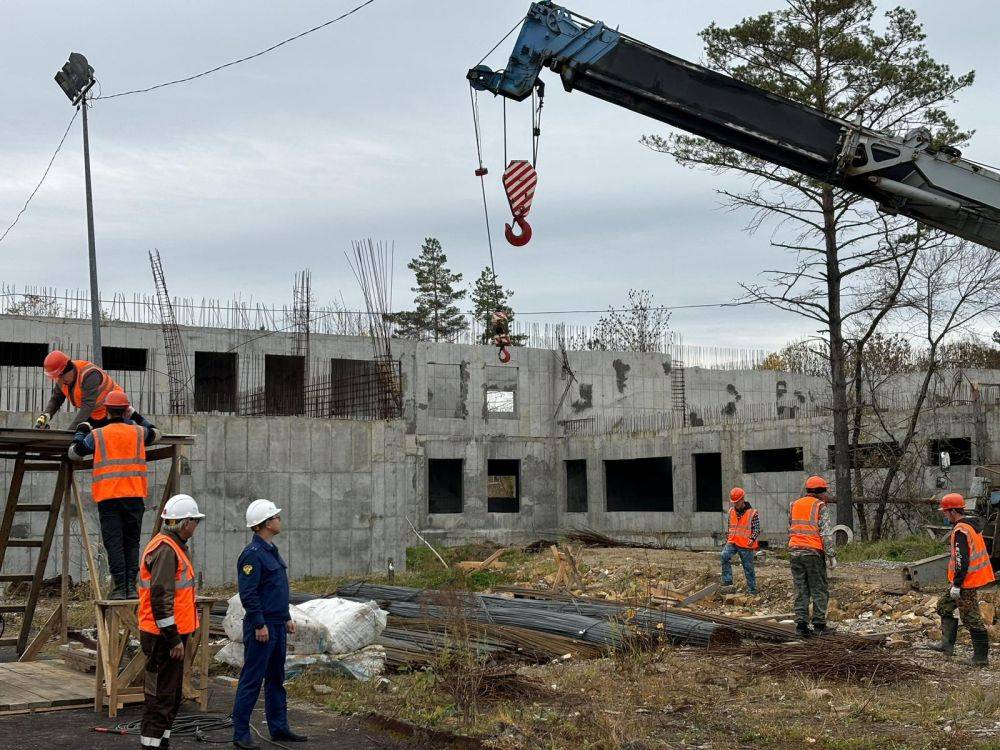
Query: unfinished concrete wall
(342, 487)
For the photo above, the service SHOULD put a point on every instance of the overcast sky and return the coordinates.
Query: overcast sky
(364, 129)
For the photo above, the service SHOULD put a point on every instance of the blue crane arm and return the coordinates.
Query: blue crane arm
(903, 174)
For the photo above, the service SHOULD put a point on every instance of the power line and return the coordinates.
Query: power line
(231, 63)
(44, 175)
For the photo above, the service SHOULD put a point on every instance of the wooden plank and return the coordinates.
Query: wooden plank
(64, 580)
(697, 596)
(92, 570)
(27, 685)
(55, 620)
(57, 684)
(169, 489)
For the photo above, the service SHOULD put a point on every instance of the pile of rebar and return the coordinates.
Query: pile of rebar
(603, 625)
(834, 661)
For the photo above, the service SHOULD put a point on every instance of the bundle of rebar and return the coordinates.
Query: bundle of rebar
(603, 624)
(835, 661)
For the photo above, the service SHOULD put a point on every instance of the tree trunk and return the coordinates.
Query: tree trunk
(858, 408)
(838, 376)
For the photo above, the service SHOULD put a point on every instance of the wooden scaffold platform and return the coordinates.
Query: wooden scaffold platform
(45, 685)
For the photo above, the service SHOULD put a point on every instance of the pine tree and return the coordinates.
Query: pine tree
(436, 318)
(489, 298)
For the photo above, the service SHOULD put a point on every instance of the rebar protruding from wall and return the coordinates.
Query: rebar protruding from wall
(371, 263)
(301, 320)
(178, 374)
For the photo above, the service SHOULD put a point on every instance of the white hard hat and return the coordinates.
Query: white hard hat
(180, 507)
(259, 511)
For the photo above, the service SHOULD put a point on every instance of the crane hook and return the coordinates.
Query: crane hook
(504, 355)
(518, 240)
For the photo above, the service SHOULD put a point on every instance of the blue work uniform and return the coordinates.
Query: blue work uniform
(263, 582)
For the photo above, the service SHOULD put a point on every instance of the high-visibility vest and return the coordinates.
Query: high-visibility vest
(119, 462)
(185, 615)
(75, 392)
(803, 524)
(740, 528)
(980, 570)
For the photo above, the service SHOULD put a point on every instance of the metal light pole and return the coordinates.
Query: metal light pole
(75, 79)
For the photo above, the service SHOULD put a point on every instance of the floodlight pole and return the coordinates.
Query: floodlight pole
(95, 298)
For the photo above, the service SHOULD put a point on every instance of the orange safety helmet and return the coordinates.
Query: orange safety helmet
(952, 501)
(815, 483)
(55, 363)
(117, 400)
(736, 494)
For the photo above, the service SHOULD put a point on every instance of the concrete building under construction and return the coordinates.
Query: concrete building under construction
(467, 448)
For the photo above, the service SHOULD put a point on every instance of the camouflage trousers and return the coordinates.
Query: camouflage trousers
(809, 577)
(967, 606)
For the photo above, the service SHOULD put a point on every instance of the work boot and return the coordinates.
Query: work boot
(119, 592)
(246, 744)
(131, 592)
(802, 629)
(980, 648)
(821, 628)
(727, 588)
(949, 632)
(289, 736)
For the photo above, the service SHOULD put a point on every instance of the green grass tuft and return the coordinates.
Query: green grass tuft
(903, 549)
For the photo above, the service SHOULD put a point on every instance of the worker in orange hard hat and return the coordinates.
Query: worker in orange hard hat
(119, 485)
(85, 385)
(969, 569)
(811, 547)
(741, 539)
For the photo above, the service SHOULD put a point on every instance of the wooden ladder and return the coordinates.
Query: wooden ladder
(43, 545)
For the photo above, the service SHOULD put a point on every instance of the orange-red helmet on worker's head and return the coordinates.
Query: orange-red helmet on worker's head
(736, 494)
(952, 501)
(816, 483)
(116, 400)
(55, 363)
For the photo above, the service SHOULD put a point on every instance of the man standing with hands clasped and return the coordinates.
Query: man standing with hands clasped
(263, 581)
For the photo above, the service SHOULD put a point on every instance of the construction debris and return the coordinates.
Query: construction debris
(830, 659)
(591, 538)
(567, 575)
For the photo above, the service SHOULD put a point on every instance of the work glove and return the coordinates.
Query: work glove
(83, 428)
(42, 423)
(156, 435)
(73, 455)
(955, 593)
(833, 563)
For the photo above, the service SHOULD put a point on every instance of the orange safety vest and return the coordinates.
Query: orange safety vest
(185, 615)
(119, 462)
(980, 570)
(739, 528)
(75, 392)
(803, 524)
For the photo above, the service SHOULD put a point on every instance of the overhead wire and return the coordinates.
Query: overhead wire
(45, 174)
(231, 63)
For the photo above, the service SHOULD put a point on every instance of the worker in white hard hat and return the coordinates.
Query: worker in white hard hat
(263, 581)
(167, 616)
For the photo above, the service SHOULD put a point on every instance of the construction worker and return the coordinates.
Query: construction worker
(119, 485)
(167, 616)
(811, 546)
(263, 583)
(969, 569)
(85, 385)
(744, 528)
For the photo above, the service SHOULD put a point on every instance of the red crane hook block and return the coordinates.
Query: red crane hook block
(504, 355)
(518, 240)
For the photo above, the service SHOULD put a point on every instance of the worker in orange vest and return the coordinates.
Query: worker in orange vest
(969, 569)
(85, 385)
(811, 546)
(119, 485)
(741, 539)
(167, 616)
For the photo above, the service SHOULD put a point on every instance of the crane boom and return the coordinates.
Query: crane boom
(904, 175)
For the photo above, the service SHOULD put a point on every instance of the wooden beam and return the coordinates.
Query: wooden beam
(169, 489)
(92, 569)
(64, 583)
(13, 493)
(43, 635)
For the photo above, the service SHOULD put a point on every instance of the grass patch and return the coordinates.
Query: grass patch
(903, 549)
